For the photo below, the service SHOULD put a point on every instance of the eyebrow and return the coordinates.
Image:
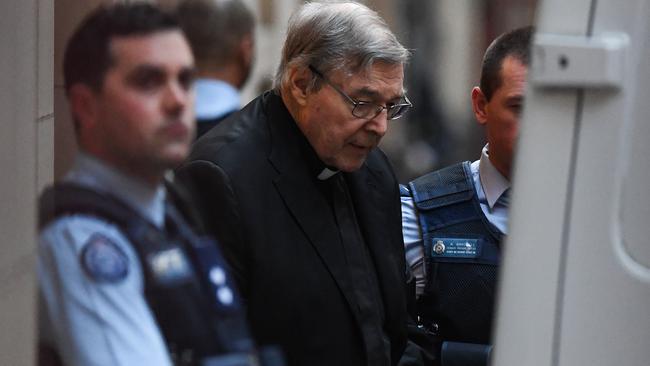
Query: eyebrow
(145, 69)
(373, 94)
(151, 69)
(515, 98)
(190, 71)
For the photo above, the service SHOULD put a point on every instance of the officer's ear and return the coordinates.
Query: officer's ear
(243, 58)
(479, 105)
(298, 81)
(83, 104)
(247, 49)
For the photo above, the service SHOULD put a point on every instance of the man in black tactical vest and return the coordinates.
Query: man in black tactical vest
(454, 219)
(123, 278)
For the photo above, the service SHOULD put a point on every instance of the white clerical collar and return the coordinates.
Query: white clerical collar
(493, 182)
(326, 174)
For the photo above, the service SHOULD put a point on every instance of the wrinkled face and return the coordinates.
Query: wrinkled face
(144, 111)
(340, 139)
(500, 115)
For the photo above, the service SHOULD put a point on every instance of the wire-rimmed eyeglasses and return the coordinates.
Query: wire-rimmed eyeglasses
(369, 110)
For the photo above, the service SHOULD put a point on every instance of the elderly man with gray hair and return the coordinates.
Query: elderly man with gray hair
(305, 205)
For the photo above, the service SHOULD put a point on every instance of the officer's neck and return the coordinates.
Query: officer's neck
(148, 175)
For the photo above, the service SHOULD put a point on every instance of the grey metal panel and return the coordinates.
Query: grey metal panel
(569, 17)
(530, 273)
(605, 312)
(575, 285)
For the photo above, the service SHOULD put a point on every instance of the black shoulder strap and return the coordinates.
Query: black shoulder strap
(443, 187)
(66, 198)
(225, 328)
(179, 199)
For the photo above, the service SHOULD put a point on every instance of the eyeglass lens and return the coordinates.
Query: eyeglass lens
(371, 110)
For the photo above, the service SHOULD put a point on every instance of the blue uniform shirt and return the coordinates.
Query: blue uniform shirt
(489, 185)
(215, 98)
(91, 282)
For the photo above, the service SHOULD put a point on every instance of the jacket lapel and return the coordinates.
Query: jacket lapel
(307, 204)
(374, 209)
(298, 189)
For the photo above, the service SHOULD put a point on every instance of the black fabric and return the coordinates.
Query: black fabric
(314, 164)
(362, 274)
(47, 355)
(458, 300)
(257, 192)
(205, 125)
(191, 328)
(465, 354)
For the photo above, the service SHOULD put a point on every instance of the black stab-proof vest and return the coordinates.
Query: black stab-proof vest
(462, 253)
(183, 273)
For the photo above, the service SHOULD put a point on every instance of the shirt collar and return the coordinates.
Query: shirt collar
(493, 183)
(215, 98)
(326, 173)
(94, 173)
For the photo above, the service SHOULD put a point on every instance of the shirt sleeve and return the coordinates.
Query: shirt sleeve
(413, 244)
(94, 321)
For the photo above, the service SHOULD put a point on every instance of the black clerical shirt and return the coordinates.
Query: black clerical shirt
(360, 267)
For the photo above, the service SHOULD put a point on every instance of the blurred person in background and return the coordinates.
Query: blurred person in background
(221, 34)
(455, 219)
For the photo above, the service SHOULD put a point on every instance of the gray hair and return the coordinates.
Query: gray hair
(214, 28)
(331, 36)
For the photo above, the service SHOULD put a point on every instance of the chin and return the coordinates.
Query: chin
(173, 159)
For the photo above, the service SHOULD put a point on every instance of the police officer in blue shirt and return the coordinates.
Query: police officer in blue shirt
(222, 35)
(123, 279)
(454, 219)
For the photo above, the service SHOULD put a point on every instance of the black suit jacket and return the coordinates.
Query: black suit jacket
(255, 190)
(205, 125)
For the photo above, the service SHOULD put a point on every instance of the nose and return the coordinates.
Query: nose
(379, 124)
(176, 98)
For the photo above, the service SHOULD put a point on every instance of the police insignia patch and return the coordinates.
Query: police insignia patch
(103, 260)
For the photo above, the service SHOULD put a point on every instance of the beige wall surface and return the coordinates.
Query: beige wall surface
(26, 162)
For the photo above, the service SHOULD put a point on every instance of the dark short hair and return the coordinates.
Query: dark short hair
(87, 55)
(214, 28)
(515, 43)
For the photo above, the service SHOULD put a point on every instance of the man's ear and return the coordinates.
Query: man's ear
(83, 105)
(298, 80)
(479, 105)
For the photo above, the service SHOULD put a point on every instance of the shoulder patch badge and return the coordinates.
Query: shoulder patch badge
(103, 260)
